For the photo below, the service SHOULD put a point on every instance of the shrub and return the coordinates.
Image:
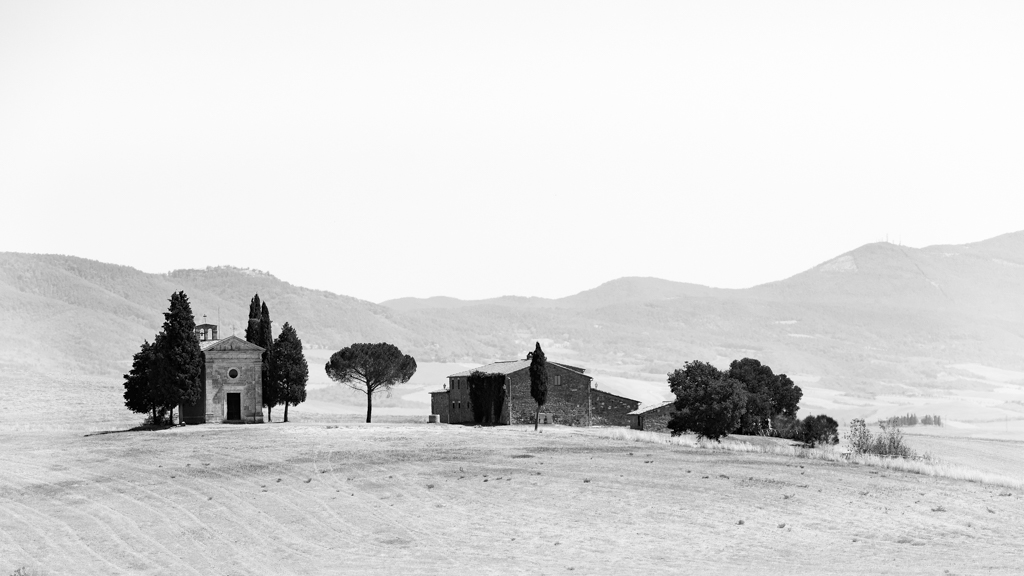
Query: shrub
(888, 442)
(859, 437)
(811, 431)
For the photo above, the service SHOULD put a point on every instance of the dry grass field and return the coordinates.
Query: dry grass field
(433, 499)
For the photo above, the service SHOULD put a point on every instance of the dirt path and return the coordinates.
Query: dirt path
(418, 499)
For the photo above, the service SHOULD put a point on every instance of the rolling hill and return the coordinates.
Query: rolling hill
(879, 319)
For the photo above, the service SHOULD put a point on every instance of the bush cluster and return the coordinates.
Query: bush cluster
(888, 442)
(812, 430)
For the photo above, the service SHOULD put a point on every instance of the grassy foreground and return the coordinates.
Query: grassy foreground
(435, 499)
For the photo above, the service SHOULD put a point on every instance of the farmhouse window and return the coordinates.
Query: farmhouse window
(558, 380)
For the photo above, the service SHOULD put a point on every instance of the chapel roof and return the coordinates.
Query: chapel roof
(229, 343)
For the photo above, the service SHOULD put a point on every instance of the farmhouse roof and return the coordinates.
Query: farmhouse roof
(651, 407)
(607, 393)
(507, 367)
(230, 343)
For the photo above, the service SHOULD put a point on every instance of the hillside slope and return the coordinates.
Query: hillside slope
(877, 319)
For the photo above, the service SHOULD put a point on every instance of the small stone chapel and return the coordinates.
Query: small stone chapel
(232, 379)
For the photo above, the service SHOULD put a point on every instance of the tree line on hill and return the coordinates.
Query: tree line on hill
(748, 398)
(912, 420)
(167, 373)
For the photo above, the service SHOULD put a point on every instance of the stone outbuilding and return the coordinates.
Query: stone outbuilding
(653, 418)
(232, 379)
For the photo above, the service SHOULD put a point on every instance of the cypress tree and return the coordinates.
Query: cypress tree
(265, 339)
(538, 381)
(288, 371)
(178, 359)
(138, 386)
(252, 330)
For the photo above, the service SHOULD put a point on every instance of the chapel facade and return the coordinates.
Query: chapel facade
(232, 377)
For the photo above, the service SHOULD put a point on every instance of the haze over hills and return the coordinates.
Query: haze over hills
(881, 318)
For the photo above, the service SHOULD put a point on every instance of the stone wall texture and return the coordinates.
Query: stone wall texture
(568, 397)
(611, 410)
(248, 383)
(439, 405)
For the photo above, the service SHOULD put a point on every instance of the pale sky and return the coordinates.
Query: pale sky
(476, 149)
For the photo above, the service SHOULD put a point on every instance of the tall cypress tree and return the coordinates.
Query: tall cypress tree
(178, 359)
(288, 371)
(538, 380)
(252, 330)
(265, 338)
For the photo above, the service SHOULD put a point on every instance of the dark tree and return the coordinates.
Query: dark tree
(786, 396)
(288, 372)
(178, 360)
(819, 429)
(538, 381)
(252, 329)
(708, 403)
(266, 340)
(757, 381)
(259, 331)
(369, 368)
(487, 396)
(768, 395)
(138, 386)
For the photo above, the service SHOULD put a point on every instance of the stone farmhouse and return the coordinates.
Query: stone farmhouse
(232, 379)
(572, 398)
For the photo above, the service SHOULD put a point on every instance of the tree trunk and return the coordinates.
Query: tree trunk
(269, 408)
(285, 411)
(369, 406)
(536, 419)
(153, 421)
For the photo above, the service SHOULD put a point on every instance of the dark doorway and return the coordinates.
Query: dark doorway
(234, 406)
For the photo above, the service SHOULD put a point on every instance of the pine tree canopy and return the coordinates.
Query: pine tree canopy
(369, 368)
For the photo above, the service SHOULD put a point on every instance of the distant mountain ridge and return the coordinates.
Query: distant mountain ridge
(620, 291)
(875, 318)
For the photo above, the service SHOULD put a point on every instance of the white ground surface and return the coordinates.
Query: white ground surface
(437, 499)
